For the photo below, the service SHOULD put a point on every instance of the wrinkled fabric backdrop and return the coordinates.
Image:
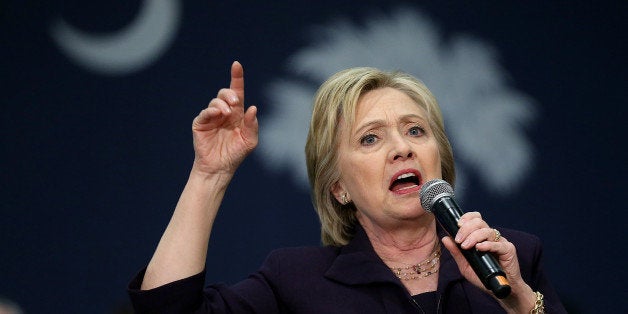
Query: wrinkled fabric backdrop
(98, 99)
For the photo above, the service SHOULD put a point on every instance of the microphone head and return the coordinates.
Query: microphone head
(432, 191)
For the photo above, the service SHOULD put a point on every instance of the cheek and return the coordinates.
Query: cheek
(361, 175)
(431, 159)
(439, 164)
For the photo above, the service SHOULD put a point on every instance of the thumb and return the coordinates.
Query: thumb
(250, 127)
(456, 254)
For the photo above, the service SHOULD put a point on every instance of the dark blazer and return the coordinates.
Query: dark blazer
(348, 279)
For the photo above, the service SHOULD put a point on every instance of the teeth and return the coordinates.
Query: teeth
(406, 175)
(407, 187)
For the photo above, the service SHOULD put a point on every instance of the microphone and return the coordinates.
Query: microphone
(437, 197)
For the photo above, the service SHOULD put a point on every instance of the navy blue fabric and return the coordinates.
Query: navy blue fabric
(92, 165)
(349, 279)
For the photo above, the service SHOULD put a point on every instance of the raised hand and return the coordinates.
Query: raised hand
(224, 133)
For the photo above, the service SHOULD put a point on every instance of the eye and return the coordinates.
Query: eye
(368, 139)
(416, 131)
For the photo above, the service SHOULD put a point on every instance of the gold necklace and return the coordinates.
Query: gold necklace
(421, 270)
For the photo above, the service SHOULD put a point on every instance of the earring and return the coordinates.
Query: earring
(344, 199)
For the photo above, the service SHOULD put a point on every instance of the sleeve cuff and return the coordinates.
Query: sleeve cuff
(179, 296)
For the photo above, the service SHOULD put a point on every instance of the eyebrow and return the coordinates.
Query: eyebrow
(380, 122)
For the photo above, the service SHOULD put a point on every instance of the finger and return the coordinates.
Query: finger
(479, 236)
(455, 253)
(229, 96)
(469, 225)
(216, 109)
(494, 247)
(204, 117)
(237, 81)
(468, 216)
(221, 105)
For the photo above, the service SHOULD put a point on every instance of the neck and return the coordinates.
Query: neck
(403, 244)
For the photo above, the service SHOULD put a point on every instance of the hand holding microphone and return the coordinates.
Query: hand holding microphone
(437, 197)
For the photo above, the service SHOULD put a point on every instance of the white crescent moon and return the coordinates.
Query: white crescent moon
(127, 50)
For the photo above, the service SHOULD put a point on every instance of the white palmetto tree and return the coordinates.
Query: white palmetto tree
(485, 117)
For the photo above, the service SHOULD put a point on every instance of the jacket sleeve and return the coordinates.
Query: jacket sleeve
(181, 296)
(530, 254)
(252, 295)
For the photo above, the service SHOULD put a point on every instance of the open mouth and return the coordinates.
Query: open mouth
(405, 180)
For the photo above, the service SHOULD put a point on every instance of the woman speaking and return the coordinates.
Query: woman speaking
(374, 140)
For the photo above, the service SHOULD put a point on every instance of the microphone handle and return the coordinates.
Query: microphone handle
(484, 264)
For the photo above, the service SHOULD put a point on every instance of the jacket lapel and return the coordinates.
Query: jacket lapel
(357, 263)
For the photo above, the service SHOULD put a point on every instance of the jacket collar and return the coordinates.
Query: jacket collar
(357, 263)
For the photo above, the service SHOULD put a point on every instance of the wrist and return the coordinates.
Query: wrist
(200, 173)
(539, 304)
(207, 189)
(521, 300)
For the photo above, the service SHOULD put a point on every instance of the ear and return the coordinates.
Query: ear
(338, 190)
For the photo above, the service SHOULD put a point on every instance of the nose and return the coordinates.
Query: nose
(400, 148)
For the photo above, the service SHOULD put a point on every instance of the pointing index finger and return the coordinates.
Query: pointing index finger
(237, 80)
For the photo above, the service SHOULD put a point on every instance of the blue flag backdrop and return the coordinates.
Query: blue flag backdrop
(98, 99)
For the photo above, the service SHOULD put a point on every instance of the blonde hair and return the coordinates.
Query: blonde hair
(336, 100)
